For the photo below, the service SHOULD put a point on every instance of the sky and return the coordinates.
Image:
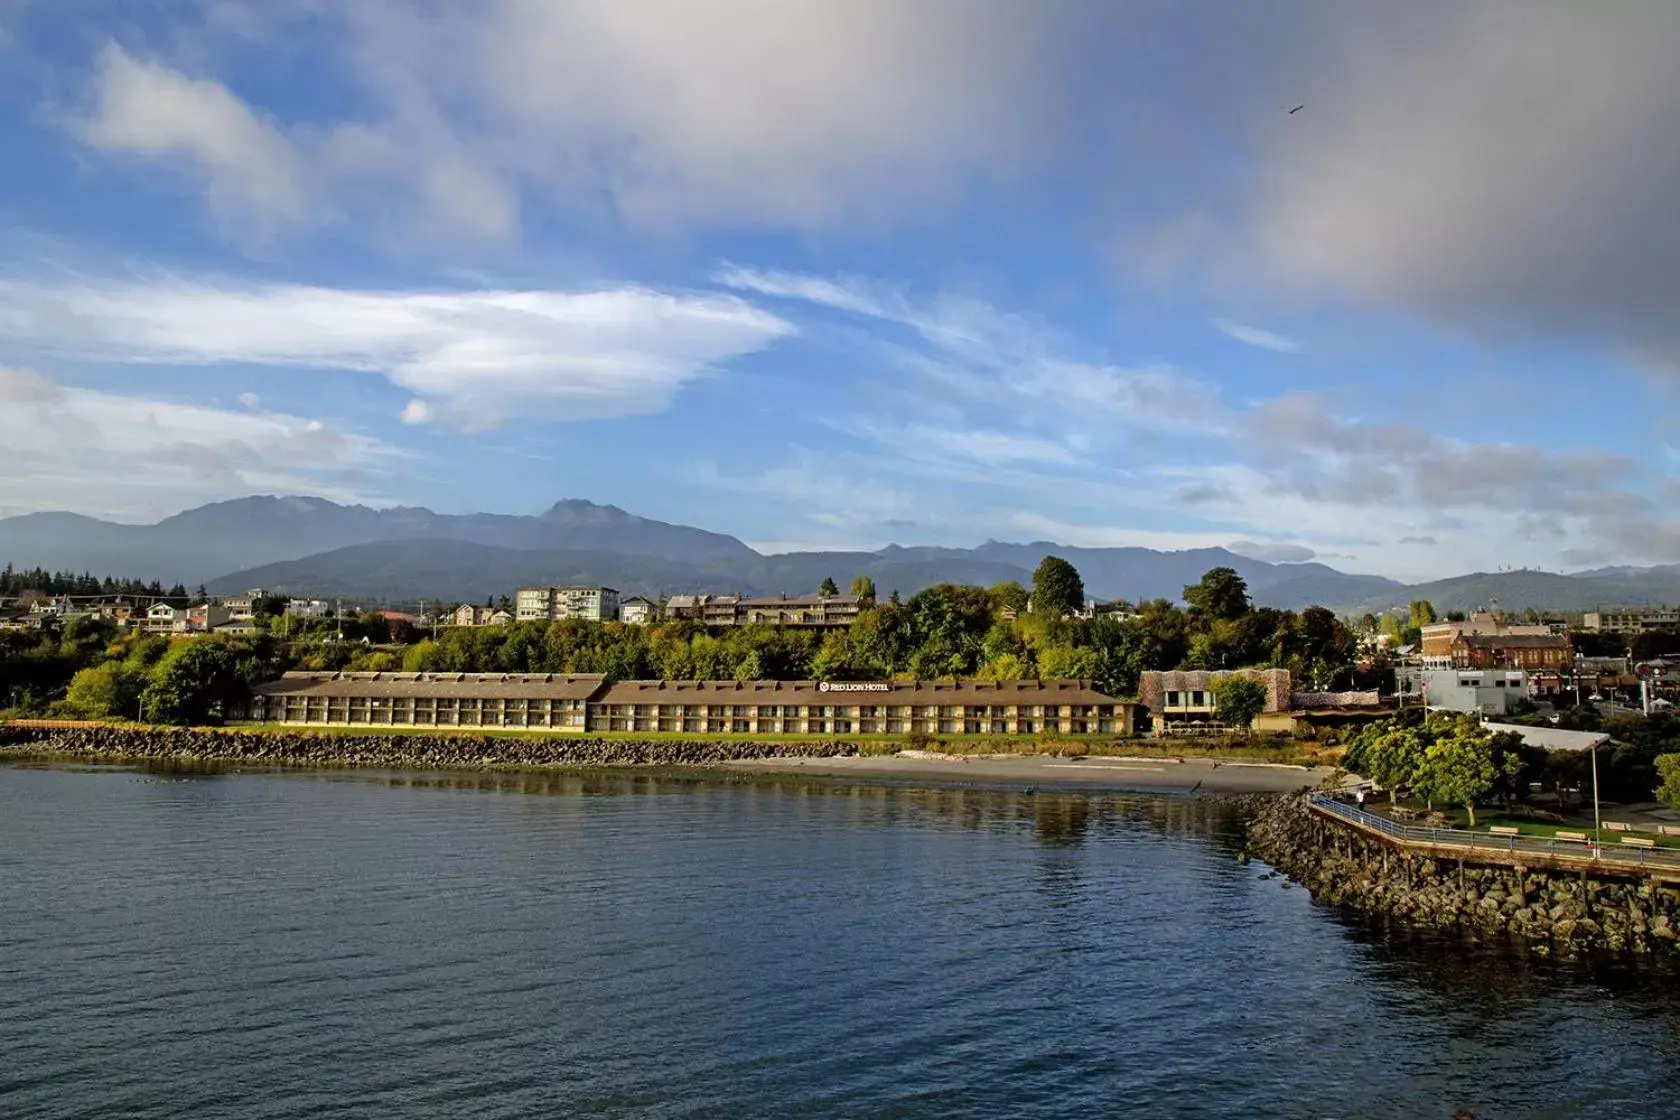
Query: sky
(844, 273)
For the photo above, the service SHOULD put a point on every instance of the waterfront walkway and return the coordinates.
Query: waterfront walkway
(1487, 847)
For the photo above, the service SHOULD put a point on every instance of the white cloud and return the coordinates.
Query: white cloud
(250, 400)
(473, 358)
(250, 169)
(137, 457)
(1257, 337)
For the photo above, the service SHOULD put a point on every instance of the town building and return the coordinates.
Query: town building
(1438, 638)
(552, 604)
(1533, 652)
(237, 628)
(580, 703)
(638, 611)
(1632, 620)
(1493, 692)
(1182, 699)
(243, 606)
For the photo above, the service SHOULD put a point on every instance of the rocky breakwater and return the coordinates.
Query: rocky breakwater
(278, 748)
(1564, 912)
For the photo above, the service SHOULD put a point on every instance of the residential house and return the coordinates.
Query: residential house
(244, 606)
(237, 628)
(826, 611)
(201, 618)
(552, 604)
(638, 611)
(162, 617)
(308, 608)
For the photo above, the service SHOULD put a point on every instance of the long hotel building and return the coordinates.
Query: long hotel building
(585, 703)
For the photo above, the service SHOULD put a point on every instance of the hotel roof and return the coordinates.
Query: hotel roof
(852, 692)
(534, 686)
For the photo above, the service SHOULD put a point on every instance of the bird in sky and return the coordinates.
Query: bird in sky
(1297, 109)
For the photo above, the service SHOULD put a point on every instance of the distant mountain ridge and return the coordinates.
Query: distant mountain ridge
(311, 545)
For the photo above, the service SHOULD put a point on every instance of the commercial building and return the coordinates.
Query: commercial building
(1533, 652)
(587, 703)
(1493, 692)
(1439, 638)
(552, 604)
(1632, 620)
(553, 702)
(1182, 699)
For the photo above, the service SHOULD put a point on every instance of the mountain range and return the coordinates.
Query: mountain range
(304, 545)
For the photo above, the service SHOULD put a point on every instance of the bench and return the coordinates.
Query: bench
(1504, 830)
(1639, 841)
(1574, 837)
(1668, 830)
(1617, 826)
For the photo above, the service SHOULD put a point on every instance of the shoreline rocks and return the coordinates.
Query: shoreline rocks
(443, 752)
(1567, 913)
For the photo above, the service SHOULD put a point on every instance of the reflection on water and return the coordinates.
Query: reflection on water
(229, 942)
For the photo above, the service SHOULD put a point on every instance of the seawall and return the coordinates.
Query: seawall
(274, 748)
(1551, 911)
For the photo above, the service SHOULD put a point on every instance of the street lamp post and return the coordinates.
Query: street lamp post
(1597, 824)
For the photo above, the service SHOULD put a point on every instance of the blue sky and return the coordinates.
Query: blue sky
(845, 274)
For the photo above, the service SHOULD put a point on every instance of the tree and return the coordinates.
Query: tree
(1459, 768)
(1393, 759)
(106, 691)
(194, 682)
(1668, 769)
(1237, 700)
(863, 588)
(829, 587)
(1422, 613)
(1009, 595)
(1221, 594)
(1057, 588)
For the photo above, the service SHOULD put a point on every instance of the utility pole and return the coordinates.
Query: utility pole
(340, 612)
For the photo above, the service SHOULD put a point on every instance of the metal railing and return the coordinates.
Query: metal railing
(1492, 842)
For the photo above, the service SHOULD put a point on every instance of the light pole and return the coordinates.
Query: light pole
(1596, 822)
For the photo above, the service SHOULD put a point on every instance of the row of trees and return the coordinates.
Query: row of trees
(944, 631)
(14, 582)
(1447, 757)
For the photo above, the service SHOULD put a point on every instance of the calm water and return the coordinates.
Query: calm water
(250, 945)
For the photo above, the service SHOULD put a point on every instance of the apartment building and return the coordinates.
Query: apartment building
(586, 702)
(1632, 620)
(551, 604)
(816, 611)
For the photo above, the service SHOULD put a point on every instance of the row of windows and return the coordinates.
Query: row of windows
(855, 711)
(1193, 698)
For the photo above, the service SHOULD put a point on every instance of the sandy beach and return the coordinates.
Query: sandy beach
(1101, 773)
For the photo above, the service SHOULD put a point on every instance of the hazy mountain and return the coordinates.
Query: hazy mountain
(458, 570)
(201, 544)
(310, 545)
(1521, 590)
